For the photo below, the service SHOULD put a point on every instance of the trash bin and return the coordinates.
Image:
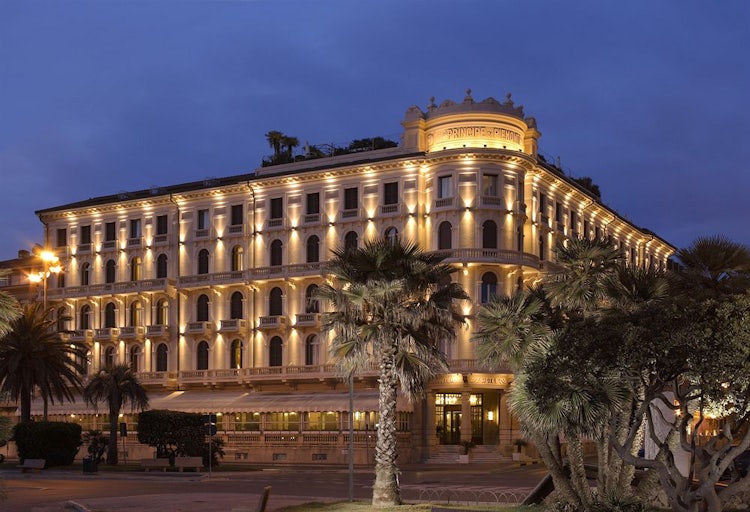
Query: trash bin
(89, 465)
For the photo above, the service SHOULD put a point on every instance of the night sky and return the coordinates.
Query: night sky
(649, 98)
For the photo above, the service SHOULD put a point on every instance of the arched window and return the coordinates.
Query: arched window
(136, 264)
(85, 274)
(110, 271)
(110, 356)
(161, 266)
(311, 301)
(61, 280)
(391, 234)
(203, 261)
(109, 315)
(311, 350)
(489, 287)
(136, 314)
(445, 235)
(519, 239)
(201, 310)
(135, 358)
(489, 235)
(275, 304)
(162, 312)
(276, 253)
(313, 249)
(237, 254)
(275, 352)
(84, 321)
(235, 305)
(201, 356)
(62, 319)
(235, 354)
(350, 241)
(161, 357)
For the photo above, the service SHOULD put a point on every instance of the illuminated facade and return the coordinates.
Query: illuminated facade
(205, 288)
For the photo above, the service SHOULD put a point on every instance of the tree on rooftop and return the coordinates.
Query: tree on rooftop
(391, 307)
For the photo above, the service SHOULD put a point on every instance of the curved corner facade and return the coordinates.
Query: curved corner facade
(206, 288)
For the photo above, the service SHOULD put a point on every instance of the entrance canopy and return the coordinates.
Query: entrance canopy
(233, 401)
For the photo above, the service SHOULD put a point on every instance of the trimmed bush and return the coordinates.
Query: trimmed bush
(54, 441)
(177, 433)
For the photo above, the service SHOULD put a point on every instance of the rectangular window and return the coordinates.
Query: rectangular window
(203, 219)
(390, 193)
(489, 185)
(444, 188)
(237, 218)
(277, 208)
(543, 204)
(110, 231)
(573, 220)
(86, 234)
(351, 198)
(586, 228)
(313, 203)
(135, 228)
(558, 212)
(62, 237)
(161, 225)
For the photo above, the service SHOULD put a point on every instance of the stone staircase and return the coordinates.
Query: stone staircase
(482, 454)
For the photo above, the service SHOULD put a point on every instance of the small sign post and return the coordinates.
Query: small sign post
(209, 421)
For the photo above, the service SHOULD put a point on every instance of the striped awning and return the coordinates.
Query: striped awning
(233, 401)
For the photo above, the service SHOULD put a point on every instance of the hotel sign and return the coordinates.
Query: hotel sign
(475, 136)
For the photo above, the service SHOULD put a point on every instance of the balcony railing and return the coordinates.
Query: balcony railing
(272, 322)
(204, 328)
(236, 229)
(107, 334)
(307, 320)
(233, 325)
(490, 256)
(444, 202)
(132, 332)
(80, 335)
(155, 331)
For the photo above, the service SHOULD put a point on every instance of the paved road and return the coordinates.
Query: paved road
(163, 492)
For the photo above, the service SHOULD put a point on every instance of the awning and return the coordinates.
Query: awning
(233, 401)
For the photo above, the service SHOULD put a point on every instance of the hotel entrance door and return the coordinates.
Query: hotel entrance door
(452, 422)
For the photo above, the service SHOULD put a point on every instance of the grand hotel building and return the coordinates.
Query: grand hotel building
(205, 287)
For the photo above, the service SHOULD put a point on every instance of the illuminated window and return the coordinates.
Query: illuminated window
(445, 235)
(235, 354)
(135, 228)
(489, 287)
(236, 215)
(109, 315)
(390, 193)
(275, 351)
(201, 356)
(135, 358)
(350, 241)
(235, 305)
(201, 311)
(275, 302)
(277, 208)
(203, 219)
(311, 301)
(489, 185)
(313, 249)
(161, 357)
(135, 269)
(110, 233)
(84, 321)
(110, 356)
(444, 187)
(237, 256)
(391, 234)
(203, 261)
(110, 271)
(85, 274)
(136, 314)
(162, 312)
(351, 198)
(311, 350)
(62, 237)
(161, 266)
(276, 253)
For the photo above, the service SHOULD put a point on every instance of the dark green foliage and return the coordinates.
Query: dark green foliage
(175, 433)
(589, 185)
(97, 445)
(54, 441)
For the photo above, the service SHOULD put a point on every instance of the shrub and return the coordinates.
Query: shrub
(177, 433)
(97, 445)
(54, 441)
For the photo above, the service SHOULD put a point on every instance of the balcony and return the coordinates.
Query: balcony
(235, 230)
(272, 322)
(109, 245)
(311, 219)
(107, 334)
(351, 214)
(307, 320)
(390, 209)
(275, 224)
(84, 248)
(82, 335)
(200, 328)
(132, 332)
(134, 242)
(236, 276)
(444, 203)
(490, 256)
(157, 331)
(162, 239)
(233, 325)
(202, 233)
(299, 269)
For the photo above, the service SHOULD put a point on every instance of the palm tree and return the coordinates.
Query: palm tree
(391, 305)
(9, 309)
(289, 143)
(117, 386)
(275, 138)
(716, 264)
(33, 355)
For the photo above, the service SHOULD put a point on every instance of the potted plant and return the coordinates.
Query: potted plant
(97, 442)
(463, 458)
(519, 443)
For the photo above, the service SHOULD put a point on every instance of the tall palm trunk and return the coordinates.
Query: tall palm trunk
(385, 492)
(25, 406)
(114, 411)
